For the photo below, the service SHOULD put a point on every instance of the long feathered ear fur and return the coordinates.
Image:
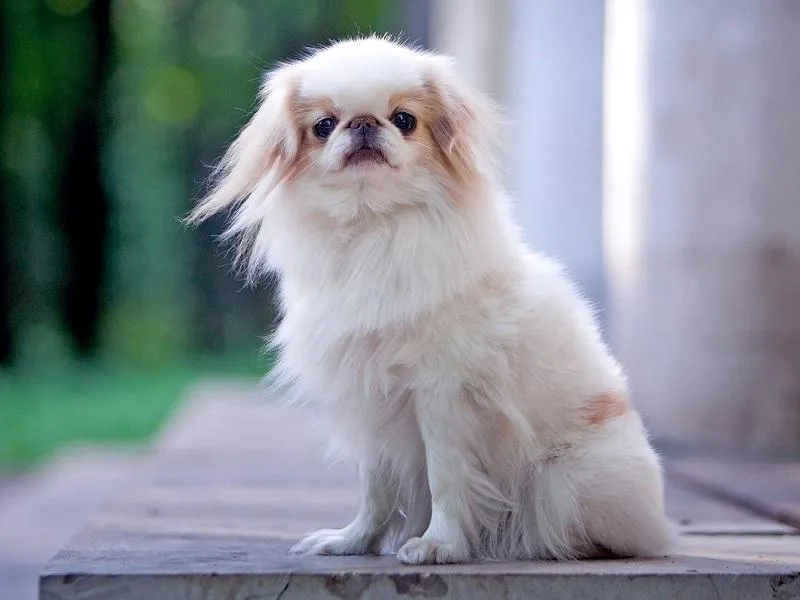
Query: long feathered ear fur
(257, 160)
(467, 125)
(269, 141)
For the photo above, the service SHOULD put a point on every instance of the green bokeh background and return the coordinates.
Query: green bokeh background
(180, 80)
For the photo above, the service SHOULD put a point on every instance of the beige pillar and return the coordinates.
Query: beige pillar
(702, 216)
(542, 61)
(474, 33)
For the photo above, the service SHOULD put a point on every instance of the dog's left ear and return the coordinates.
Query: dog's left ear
(466, 125)
(265, 148)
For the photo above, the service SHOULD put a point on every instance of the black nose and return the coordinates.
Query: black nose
(363, 123)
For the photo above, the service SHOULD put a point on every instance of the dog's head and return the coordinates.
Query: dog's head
(362, 126)
(360, 111)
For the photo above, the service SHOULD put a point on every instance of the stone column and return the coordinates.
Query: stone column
(702, 217)
(542, 61)
(474, 33)
(554, 96)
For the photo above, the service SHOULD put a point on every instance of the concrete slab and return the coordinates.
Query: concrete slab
(234, 484)
(236, 567)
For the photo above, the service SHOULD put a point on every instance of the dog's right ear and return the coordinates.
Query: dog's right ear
(265, 148)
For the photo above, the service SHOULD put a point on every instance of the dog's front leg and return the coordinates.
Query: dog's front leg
(378, 500)
(460, 490)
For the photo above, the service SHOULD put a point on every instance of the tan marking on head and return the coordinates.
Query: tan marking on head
(602, 409)
(449, 129)
(412, 100)
(438, 131)
(303, 112)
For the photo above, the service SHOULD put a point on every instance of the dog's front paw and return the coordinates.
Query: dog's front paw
(424, 550)
(337, 542)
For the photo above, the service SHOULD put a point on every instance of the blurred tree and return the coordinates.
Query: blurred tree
(113, 111)
(83, 201)
(6, 348)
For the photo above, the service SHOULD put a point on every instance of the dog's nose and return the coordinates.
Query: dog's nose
(363, 123)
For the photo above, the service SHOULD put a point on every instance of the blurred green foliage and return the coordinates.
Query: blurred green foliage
(40, 412)
(183, 75)
(178, 82)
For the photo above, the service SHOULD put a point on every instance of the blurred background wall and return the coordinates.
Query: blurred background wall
(542, 61)
(653, 148)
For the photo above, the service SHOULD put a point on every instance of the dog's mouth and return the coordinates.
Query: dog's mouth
(365, 154)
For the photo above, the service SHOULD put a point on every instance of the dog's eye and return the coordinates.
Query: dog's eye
(324, 127)
(404, 121)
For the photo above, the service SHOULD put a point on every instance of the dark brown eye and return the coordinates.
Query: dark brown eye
(404, 121)
(324, 127)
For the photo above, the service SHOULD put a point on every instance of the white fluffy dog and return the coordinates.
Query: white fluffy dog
(463, 373)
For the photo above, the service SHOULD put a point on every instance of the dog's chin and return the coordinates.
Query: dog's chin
(366, 157)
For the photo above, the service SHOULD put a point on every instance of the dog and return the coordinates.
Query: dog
(464, 374)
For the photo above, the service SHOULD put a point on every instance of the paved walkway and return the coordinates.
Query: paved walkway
(41, 510)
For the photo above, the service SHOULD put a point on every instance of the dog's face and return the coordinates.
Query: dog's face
(371, 112)
(359, 110)
(368, 116)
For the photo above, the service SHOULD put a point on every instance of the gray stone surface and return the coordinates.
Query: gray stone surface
(41, 510)
(234, 483)
(708, 567)
(767, 488)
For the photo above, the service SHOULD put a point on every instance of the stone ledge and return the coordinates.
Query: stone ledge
(232, 484)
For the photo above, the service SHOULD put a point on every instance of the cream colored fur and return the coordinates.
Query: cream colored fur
(464, 374)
